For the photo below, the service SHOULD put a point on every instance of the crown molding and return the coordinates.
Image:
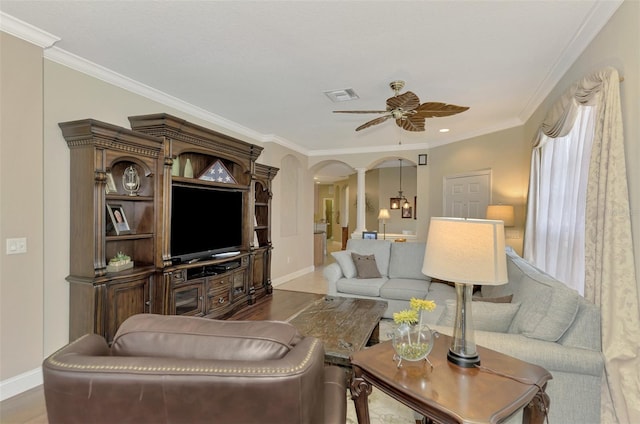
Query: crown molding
(511, 123)
(591, 26)
(26, 32)
(85, 66)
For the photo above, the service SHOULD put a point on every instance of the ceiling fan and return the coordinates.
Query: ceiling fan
(406, 109)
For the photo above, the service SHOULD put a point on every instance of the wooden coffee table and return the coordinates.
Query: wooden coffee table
(448, 393)
(345, 325)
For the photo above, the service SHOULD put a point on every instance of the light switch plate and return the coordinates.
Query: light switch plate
(16, 245)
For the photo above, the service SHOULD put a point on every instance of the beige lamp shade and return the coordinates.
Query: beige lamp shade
(468, 251)
(502, 213)
(384, 214)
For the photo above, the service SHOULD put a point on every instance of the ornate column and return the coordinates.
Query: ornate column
(361, 206)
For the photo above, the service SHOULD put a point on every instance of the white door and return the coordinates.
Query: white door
(467, 195)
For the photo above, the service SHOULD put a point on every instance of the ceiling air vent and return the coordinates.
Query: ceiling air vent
(343, 95)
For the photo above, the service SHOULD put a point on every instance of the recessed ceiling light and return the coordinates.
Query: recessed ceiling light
(343, 95)
(444, 130)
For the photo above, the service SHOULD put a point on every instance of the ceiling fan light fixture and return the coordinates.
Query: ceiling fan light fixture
(342, 95)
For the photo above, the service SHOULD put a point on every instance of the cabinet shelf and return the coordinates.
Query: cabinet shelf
(127, 198)
(124, 237)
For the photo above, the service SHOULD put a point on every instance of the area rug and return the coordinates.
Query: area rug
(382, 408)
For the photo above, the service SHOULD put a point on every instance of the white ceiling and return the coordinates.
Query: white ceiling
(261, 67)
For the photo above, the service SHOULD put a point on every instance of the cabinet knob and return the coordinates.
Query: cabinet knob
(221, 300)
(148, 303)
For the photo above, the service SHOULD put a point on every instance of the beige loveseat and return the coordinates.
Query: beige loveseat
(401, 277)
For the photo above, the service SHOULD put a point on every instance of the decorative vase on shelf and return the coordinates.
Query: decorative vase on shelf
(412, 342)
(188, 169)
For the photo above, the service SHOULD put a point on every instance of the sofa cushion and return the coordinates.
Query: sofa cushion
(360, 287)
(501, 299)
(201, 338)
(365, 266)
(380, 248)
(406, 261)
(487, 316)
(548, 306)
(404, 289)
(345, 261)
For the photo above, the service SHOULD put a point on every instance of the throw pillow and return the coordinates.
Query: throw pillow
(487, 316)
(501, 299)
(366, 266)
(344, 260)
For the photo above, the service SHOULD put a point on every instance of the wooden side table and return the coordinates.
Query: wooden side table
(448, 393)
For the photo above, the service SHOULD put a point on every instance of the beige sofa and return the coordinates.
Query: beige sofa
(546, 324)
(543, 321)
(401, 277)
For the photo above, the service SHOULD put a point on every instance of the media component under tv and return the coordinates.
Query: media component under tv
(205, 222)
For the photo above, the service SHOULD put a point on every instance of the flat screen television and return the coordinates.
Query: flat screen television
(205, 222)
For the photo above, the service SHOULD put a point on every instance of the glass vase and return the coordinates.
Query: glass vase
(413, 342)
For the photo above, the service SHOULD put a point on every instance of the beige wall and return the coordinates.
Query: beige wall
(617, 45)
(506, 153)
(292, 254)
(29, 330)
(21, 206)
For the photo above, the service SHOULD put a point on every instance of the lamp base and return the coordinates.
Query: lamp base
(462, 361)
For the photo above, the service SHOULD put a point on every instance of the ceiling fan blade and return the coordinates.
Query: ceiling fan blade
(413, 123)
(373, 122)
(360, 111)
(437, 110)
(405, 101)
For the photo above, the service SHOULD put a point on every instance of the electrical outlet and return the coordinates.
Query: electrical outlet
(16, 245)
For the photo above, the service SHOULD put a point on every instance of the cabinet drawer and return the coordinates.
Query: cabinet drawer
(218, 300)
(220, 283)
(179, 276)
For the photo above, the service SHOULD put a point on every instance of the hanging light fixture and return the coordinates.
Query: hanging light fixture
(396, 202)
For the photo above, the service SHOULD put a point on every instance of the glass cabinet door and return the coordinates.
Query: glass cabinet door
(188, 300)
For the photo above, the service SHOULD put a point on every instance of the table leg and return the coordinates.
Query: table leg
(360, 391)
(536, 411)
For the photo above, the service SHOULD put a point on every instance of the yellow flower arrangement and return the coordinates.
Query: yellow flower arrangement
(408, 347)
(410, 316)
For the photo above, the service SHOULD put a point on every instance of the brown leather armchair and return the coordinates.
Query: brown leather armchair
(174, 369)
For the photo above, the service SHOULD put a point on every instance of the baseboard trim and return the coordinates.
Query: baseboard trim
(281, 280)
(20, 383)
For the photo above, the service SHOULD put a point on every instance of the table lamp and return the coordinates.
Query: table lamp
(465, 252)
(383, 216)
(502, 213)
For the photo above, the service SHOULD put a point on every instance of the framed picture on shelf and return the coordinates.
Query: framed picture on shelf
(118, 219)
(111, 184)
(369, 235)
(406, 212)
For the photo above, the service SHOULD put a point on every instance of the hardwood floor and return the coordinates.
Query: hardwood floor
(26, 408)
(29, 407)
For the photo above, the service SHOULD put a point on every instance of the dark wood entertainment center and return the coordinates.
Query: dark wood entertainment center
(161, 151)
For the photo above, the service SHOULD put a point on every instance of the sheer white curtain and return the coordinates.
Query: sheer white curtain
(557, 193)
(609, 267)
